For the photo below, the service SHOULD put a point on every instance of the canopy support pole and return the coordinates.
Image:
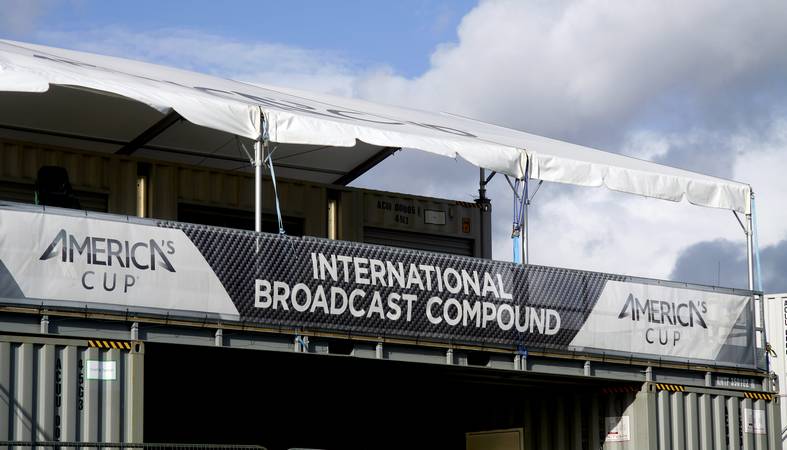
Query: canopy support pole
(485, 205)
(525, 226)
(750, 244)
(258, 186)
(519, 229)
(482, 183)
(524, 229)
(526, 232)
(750, 252)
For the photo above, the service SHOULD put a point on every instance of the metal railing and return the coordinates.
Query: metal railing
(122, 445)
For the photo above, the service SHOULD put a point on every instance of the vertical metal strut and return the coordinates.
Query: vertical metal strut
(258, 186)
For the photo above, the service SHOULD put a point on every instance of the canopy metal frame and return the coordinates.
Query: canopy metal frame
(749, 231)
(748, 227)
(750, 243)
(323, 120)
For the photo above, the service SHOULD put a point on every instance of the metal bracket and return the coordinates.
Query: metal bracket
(540, 182)
(743, 227)
(246, 151)
(510, 184)
(489, 178)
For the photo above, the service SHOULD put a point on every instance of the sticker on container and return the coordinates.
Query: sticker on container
(754, 421)
(101, 370)
(434, 217)
(465, 224)
(735, 382)
(617, 429)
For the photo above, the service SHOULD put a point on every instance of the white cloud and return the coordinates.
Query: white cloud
(260, 62)
(762, 159)
(587, 68)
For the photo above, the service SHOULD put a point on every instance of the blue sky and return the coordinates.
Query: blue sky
(698, 85)
(401, 34)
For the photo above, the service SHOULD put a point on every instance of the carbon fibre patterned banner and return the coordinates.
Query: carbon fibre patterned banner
(308, 283)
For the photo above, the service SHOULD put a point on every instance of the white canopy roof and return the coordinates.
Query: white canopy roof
(96, 98)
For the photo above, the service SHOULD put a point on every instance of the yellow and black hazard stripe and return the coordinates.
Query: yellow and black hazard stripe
(469, 204)
(670, 387)
(619, 389)
(101, 343)
(758, 396)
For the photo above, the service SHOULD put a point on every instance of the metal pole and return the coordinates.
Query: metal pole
(750, 252)
(526, 226)
(750, 243)
(525, 232)
(481, 184)
(485, 214)
(258, 186)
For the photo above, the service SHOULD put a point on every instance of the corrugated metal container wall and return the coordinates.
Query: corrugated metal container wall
(235, 190)
(57, 389)
(708, 420)
(585, 422)
(673, 418)
(561, 423)
(776, 331)
(420, 223)
(109, 183)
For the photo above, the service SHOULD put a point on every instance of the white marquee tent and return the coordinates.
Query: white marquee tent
(166, 113)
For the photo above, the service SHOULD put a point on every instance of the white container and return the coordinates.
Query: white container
(776, 333)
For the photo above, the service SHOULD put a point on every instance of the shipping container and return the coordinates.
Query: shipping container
(78, 367)
(776, 331)
(657, 417)
(92, 390)
(55, 389)
(167, 190)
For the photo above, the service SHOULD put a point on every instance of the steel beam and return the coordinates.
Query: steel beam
(364, 167)
(148, 135)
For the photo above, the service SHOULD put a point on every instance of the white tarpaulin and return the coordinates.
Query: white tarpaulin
(292, 117)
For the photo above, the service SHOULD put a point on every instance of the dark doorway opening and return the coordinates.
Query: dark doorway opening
(288, 400)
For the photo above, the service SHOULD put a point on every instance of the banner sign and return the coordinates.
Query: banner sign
(319, 284)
